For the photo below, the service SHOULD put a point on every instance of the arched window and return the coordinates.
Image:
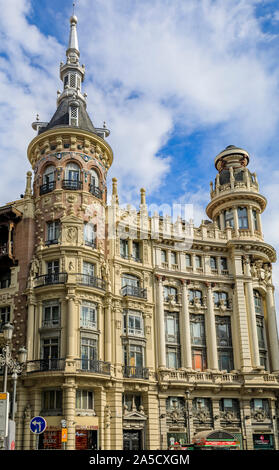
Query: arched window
(221, 298)
(72, 177)
(170, 291)
(195, 294)
(94, 178)
(48, 180)
(95, 184)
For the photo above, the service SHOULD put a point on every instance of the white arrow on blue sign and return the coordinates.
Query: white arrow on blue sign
(38, 425)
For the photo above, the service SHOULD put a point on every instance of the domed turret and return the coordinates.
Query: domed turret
(235, 199)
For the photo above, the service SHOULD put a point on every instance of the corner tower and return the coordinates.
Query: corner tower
(235, 199)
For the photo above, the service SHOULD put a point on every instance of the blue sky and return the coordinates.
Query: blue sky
(176, 81)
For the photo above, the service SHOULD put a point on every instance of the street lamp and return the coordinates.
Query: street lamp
(8, 362)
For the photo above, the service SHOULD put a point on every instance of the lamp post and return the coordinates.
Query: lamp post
(187, 393)
(8, 363)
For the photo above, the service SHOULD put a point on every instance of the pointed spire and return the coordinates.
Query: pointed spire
(73, 39)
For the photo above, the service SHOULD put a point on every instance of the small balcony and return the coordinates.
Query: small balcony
(134, 291)
(90, 281)
(47, 188)
(95, 366)
(72, 185)
(134, 372)
(51, 279)
(97, 192)
(42, 365)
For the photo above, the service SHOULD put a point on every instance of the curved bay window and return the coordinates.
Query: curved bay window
(133, 323)
(131, 286)
(90, 234)
(88, 317)
(258, 302)
(224, 343)
(198, 342)
(72, 177)
(49, 183)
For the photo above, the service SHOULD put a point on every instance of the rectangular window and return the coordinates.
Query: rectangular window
(84, 400)
(199, 359)
(53, 232)
(88, 269)
(255, 219)
(132, 401)
(213, 264)
(89, 234)
(88, 315)
(52, 400)
(163, 256)
(173, 358)
(124, 253)
(136, 251)
(51, 314)
(89, 353)
(188, 261)
(229, 219)
(173, 257)
(172, 327)
(134, 356)
(242, 217)
(197, 330)
(224, 264)
(198, 262)
(4, 316)
(73, 116)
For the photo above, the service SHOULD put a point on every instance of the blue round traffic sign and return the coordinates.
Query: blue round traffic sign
(38, 425)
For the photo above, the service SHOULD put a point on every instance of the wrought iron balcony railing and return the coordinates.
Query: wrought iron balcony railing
(47, 187)
(50, 279)
(90, 281)
(134, 291)
(96, 191)
(135, 372)
(90, 365)
(42, 365)
(72, 184)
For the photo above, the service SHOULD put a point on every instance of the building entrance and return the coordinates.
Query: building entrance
(132, 440)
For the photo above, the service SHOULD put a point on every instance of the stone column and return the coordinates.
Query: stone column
(236, 224)
(151, 409)
(252, 322)
(69, 402)
(240, 313)
(250, 220)
(108, 331)
(259, 223)
(30, 329)
(71, 326)
(272, 328)
(160, 324)
(211, 339)
(185, 329)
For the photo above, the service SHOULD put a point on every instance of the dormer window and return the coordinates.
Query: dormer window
(73, 115)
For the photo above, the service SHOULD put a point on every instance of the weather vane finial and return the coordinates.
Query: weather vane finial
(74, 6)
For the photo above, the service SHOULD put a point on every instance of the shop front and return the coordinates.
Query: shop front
(215, 440)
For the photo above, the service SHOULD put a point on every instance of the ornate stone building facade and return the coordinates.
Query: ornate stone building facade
(141, 331)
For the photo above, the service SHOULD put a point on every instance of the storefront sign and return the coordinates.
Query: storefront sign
(64, 435)
(263, 441)
(220, 443)
(4, 414)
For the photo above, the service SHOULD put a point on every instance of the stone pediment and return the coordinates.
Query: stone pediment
(134, 416)
(71, 219)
